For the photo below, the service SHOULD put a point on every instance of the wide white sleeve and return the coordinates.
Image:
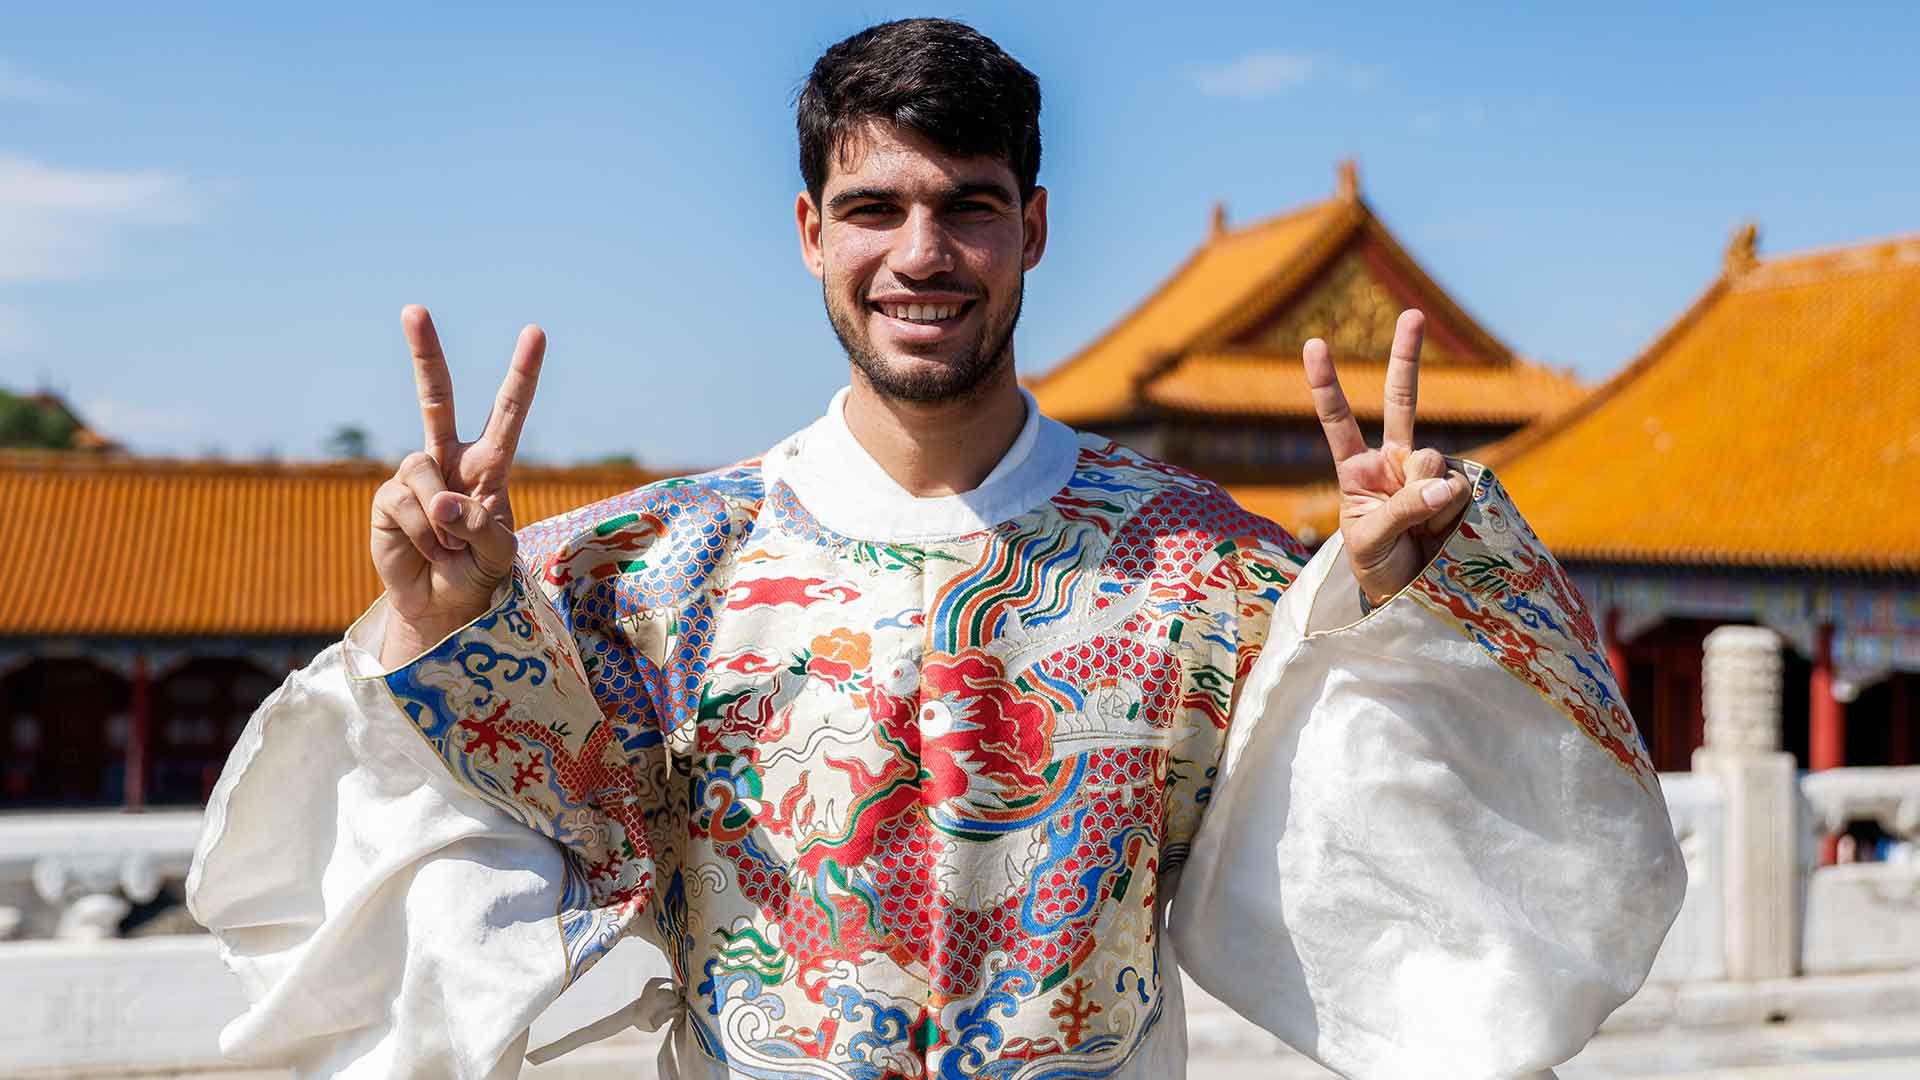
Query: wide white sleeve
(382, 885)
(1436, 847)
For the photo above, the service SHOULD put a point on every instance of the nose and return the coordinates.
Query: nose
(920, 246)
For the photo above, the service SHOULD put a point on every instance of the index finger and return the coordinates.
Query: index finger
(510, 406)
(431, 381)
(1403, 379)
(1330, 402)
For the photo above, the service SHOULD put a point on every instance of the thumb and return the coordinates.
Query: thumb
(465, 517)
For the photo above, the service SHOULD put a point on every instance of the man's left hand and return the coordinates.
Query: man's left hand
(1397, 504)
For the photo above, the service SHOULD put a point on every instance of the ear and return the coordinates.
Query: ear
(1033, 217)
(806, 217)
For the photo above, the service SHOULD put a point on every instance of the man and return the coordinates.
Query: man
(904, 742)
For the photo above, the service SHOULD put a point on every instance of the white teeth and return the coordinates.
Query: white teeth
(921, 312)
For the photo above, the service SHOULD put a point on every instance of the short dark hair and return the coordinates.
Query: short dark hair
(941, 78)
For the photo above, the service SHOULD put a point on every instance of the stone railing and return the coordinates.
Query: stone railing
(1751, 827)
(75, 876)
(1695, 949)
(1889, 798)
(1757, 913)
(1862, 916)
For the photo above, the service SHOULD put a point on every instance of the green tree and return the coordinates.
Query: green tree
(26, 424)
(348, 441)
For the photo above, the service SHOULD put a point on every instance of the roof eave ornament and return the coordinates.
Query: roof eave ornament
(1348, 184)
(1742, 251)
(1217, 227)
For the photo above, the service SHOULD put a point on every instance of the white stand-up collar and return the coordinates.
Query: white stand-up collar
(849, 493)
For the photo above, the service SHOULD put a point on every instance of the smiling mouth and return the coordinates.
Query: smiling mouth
(923, 314)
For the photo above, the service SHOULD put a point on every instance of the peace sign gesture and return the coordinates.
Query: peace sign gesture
(1396, 504)
(442, 524)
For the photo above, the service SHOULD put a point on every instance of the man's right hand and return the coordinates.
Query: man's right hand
(443, 525)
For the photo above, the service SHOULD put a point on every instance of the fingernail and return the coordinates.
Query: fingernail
(447, 511)
(454, 543)
(1436, 493)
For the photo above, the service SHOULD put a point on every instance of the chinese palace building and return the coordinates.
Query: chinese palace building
(148, 606)
(1756, 464)
(1205, 372)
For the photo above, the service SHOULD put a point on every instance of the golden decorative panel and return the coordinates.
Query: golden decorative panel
(1353, 310)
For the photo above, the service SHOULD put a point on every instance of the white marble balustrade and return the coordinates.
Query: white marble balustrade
(1862, 916)
(75, 875)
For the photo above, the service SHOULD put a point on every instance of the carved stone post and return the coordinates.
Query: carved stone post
(1760, 902)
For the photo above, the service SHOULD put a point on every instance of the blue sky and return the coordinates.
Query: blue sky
(209, 219)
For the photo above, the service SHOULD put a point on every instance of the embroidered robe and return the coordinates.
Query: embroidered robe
(949, 787)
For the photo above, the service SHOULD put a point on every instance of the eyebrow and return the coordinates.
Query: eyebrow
(953, 194)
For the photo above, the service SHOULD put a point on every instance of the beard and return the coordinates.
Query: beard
(990, 350)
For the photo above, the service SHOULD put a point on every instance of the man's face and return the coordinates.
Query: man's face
(921, 255)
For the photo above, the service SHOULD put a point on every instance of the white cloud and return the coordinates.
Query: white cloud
(17, 85)
(1263, 71)
(58, 223)
(1269, 71)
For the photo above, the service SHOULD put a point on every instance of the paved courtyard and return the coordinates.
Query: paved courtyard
(1809, 1050)
(1880, 1049)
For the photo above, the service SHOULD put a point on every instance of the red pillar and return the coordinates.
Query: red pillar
(1826, 723)
(1826, 717)
(1900, 741)
(1616, 652)
(138, 728)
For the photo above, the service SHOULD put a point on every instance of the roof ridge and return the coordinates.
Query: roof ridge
(1501, 451)
(1454, 315)
(1769, 267)
(1139, 306)
(1823, 264)
(1357, 218)
(1283, 217)
(1312, 256)
(1897, 240)
(1758, 376)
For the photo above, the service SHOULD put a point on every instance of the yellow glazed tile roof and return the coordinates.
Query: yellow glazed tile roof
(135, 546)
(1330, 269)
(1272, 386)
(1776, 423)
(1098, 384)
